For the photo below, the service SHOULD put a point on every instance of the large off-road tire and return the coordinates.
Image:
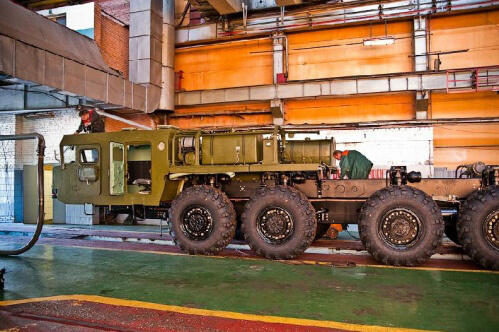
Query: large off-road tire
(321, 230)
(401, 226)
(478, 227)
(203, 220)
(279, 222)
(451, 228)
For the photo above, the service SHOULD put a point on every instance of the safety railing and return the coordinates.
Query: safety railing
(478, 79)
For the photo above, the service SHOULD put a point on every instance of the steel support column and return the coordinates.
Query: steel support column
(279, 75)
(421, 64)
(277, 109)
(167, 101)
(145, 49)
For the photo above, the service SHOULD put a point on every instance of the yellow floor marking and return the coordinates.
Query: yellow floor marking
(210, 313)
(297, 262)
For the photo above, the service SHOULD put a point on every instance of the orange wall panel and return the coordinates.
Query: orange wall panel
(349, 60)
(224, 108)
(223, 115)
(479, 33)
(226, 65)
(226, 121)
(466, 135)
(350, 109)
(453, 157)
(465, 143)
(465, 105)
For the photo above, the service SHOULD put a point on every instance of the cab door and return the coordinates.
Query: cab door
(87, 178)
(116, 169)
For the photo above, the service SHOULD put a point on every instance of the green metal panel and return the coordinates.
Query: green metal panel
(270, 151)
(160, 144)
(230, 149)
(84, 183)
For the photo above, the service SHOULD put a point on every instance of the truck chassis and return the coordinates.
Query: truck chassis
(279, 192)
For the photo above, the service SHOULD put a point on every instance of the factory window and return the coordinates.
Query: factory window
(60, 18)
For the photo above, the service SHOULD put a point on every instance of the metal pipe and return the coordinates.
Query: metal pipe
(361, 125)
(118, 118)
(371, 15)
(41, 200)
(40, 110)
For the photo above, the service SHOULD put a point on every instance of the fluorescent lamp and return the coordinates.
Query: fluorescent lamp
(378, 41)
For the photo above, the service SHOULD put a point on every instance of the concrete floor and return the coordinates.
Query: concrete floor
(103, 287)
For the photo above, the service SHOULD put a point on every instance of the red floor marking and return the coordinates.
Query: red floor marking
(87, 316)
(340, 260)
(445, 248)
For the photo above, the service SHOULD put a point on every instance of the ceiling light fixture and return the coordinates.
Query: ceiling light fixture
(379, 41)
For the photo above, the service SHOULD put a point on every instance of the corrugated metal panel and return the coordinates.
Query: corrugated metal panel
(477, 32)
(74, 77)
(466, 143)
(227, 115)
(53, 71)
(222, 121)
(95, 83)
(464, 105)
(350, 109)
(29, 62)
(311, 55)
(466, 135)
(453, 157)
(227, 65)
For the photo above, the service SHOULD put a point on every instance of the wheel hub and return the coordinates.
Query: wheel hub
(275, 225)
(197, 223)
(400, 227)
(491, 229)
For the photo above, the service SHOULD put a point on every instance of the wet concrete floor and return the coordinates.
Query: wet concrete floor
(104, 287)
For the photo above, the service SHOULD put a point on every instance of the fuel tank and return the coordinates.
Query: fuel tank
(309, 151)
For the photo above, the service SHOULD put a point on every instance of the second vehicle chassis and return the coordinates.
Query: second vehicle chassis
(279, 191)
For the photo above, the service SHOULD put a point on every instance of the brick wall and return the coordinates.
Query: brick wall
(111, 35)
(52, 126)
(117, 8)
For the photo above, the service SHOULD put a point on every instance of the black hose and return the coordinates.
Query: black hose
(39, 223)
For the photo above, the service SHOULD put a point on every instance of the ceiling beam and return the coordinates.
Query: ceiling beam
(224, 7)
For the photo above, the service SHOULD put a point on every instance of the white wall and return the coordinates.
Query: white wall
(53, 126)
(385, 147)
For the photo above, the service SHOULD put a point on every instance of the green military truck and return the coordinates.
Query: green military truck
(278, 190)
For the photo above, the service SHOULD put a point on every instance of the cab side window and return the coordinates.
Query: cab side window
(139, 171)
(89, 156)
